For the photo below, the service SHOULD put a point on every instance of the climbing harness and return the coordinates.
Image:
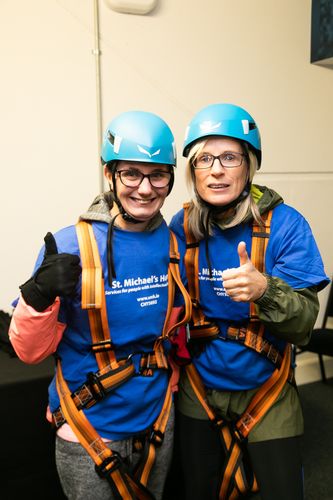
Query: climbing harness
(112, 372)
(237, 477)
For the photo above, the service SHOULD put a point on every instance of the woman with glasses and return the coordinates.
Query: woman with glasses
(253, 272)
(111, 400)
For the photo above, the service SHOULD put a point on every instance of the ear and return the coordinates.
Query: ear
(108, 176)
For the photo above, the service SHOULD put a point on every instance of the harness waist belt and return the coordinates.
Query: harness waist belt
(96, 387)
(249, 338)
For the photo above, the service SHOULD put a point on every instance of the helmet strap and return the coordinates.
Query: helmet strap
(111, 267)
(127, 217)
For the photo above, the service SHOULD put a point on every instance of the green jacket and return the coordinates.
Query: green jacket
(290, 314)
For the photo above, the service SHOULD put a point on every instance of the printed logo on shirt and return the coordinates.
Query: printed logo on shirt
(133, 285)
(214, 276)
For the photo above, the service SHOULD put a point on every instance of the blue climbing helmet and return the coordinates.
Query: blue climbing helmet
(139, 136)
(226, 120)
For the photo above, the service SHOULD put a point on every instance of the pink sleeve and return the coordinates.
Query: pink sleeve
(35, 335)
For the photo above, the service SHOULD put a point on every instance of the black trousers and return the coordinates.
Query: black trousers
(276, 463)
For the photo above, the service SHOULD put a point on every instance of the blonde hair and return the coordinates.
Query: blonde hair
(200, 220)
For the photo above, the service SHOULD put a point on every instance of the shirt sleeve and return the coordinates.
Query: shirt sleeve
(35, 335)
(292, 252)
(289, 314)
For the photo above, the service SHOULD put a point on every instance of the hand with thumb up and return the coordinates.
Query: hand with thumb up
(244, 283)
(57, 276)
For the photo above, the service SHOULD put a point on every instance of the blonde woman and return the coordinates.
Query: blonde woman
(253, 272)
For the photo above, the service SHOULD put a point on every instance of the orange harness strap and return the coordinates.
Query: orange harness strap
(260, 237)
(252, 334)
(233, 477)
(176, 280)
(156, 438)
(200, 327)
(234, 480)
(93, 296)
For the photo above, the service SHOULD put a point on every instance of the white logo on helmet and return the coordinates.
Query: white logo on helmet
(246, 127)
(174, 150)
(145, 152)
(116, 145)
(209, 126)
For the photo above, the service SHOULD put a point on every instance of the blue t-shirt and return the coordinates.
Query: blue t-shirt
(291, 255)
(136, 308)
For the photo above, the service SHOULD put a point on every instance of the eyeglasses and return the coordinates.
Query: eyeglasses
(228, 159)
(133, 178)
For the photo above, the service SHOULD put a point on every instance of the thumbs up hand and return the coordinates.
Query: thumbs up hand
(57, 276)
(244, 283)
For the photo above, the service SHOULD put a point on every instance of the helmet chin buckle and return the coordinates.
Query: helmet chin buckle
(129, 218)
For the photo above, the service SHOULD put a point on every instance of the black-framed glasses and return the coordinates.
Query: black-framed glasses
(228, 159)
(133, 178)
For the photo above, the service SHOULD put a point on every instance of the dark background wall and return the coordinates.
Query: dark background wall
(27, 465)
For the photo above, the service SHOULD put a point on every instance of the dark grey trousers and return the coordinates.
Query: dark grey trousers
(79, 480)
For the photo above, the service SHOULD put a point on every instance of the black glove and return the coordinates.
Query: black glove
(57, 276)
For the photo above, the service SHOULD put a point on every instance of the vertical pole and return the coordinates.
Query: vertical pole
(97, 54)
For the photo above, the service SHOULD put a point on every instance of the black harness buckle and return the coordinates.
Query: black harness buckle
(103, 470)
(156, 437)
(94, 381)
